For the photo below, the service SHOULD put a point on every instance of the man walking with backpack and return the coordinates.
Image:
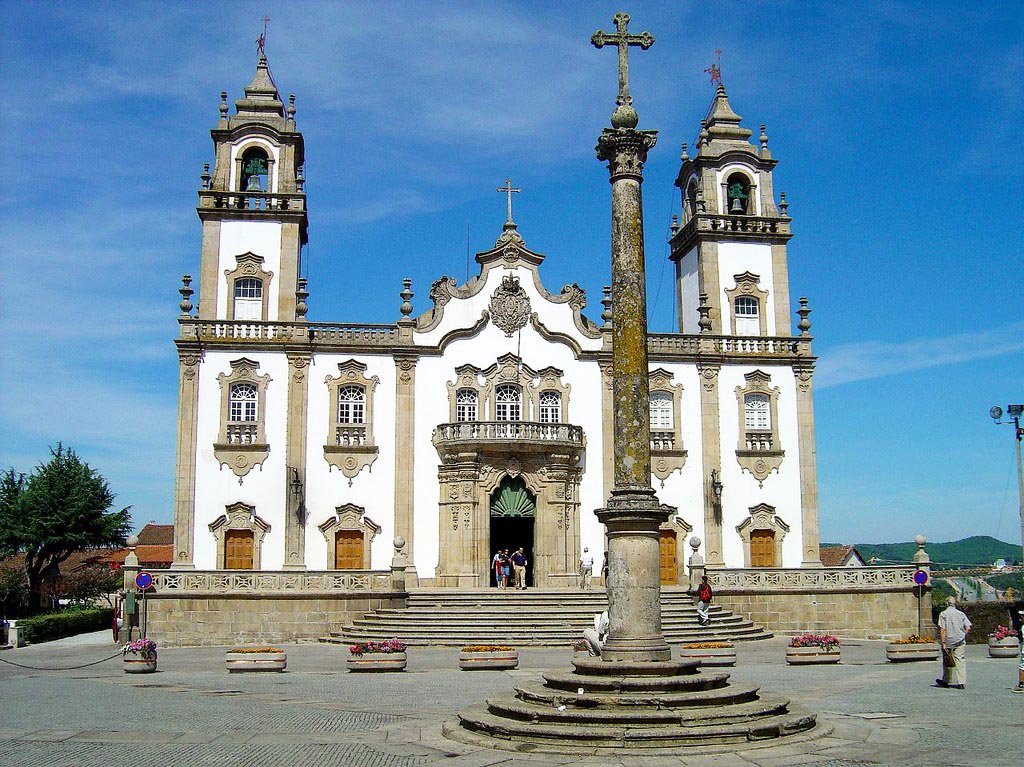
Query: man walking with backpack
(704, 596)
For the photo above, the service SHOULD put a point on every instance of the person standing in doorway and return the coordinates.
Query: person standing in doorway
(496, 566)
(586, 570)
(519, 566)
(953, 628)
(506, 568)
(704, 597)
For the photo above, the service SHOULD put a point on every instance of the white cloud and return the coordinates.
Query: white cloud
(876, 359)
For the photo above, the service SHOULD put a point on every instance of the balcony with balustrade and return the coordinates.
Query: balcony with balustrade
(501, 436)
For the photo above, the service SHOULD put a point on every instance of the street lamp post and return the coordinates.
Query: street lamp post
(1015, 412)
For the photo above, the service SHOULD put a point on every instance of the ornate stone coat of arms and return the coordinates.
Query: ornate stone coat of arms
(510, 306)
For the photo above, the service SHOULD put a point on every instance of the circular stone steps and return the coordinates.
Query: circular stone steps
(600, 705)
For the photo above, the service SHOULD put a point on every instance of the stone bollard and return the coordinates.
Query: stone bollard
(696, 564)
(129, 605)
(924, 593)
(398, 566)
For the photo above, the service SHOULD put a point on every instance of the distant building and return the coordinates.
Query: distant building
(155, 549)
(841, 556)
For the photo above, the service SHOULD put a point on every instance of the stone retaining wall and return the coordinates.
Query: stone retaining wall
(230, 619)
(851, 614)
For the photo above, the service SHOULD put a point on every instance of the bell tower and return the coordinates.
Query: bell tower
(730, 251)
(253, 209)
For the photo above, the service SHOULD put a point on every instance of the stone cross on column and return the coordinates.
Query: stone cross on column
(622, 39)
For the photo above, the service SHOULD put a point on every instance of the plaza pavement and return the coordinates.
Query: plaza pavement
(192, 712)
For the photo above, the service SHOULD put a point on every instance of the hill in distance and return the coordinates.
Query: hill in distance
(975, 550)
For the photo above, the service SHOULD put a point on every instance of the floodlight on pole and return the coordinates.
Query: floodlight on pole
(1015, 412)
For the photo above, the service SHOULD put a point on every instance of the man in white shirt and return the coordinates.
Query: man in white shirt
(596, 636)
(953, 628)
(586, 570)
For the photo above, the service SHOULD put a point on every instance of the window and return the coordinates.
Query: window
(351, 404)
(254, 171)
(746, 314)
(661, 411)
(248, 299)
(243, 402)
(757, 415)
(466, 405)
(550, 407)
(508, 403)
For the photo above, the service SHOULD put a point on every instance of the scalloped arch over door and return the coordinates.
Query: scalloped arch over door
(512, 499)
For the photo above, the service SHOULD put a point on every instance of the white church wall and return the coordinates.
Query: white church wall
(326, 486)
(741, 491)
(738, 257)
(689, 291)
(260, 237)
(264, 486)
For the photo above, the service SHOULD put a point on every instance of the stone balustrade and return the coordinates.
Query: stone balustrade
(252, 201)
(523, 432)
(676, 345)
(189, 583)
(753, 227)
(246, 433)
(350, 435)
(315, 333)
(821, 579)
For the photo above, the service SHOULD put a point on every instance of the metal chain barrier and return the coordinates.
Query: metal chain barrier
(60, 668)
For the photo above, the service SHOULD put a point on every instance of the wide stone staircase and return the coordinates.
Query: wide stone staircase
(532, 617)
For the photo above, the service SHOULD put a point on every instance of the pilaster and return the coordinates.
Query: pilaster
(189, 359)
(209, 260)
(290, 253)
(711, 446)
(295, 461)
(709, 282)
(804, 373)
(405, 412)
(780, 290)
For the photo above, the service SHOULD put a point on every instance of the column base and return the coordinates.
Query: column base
(636, 650)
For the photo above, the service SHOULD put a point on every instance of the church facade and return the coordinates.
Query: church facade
(485, 421)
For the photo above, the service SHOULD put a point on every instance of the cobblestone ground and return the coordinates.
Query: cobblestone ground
(192, 712)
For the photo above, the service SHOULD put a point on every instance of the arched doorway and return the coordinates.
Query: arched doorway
(513, 514)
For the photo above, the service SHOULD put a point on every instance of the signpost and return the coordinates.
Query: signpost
(143, 582)
(921, 580)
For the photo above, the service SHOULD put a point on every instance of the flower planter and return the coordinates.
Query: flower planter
(494, 660)
(1008, 647)
(377, 661)
(256, 661)
(905, 652)
(135, 664)
(710, 656)
(805, 656)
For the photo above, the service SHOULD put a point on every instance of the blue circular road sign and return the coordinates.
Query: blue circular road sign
(143, 580)
(920, 577)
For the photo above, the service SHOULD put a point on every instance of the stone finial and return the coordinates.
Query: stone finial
(674, 227)
(300, 179)
(131, 560)
(606, 302)
(685, 155)
(763, 138)
(301, 302)
(291, 107)
(699, 200)
(704, 311)
(205, 176)
(224, 106)
(186, 296)
(783, 205)
(804, 324)
(406, 296)
(695, 543)
(921, 558)
(703, 136)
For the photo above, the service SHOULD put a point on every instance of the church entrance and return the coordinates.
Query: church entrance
(513, 515)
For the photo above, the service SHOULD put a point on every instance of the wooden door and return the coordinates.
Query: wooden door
(348, 550)
(667, 549)
(762, 548)
(238, 550)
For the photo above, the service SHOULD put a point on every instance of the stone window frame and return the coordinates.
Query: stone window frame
(475, 405)
(250, 265)
(762, 517)
(747, 284)
(239, 456)
(348, 516)
(759, 461)
(467, 377)
(240, 151)
(350, 457)
(667, 451)
(550, 380)
(239, 516)
(752, 199)
(508, 369)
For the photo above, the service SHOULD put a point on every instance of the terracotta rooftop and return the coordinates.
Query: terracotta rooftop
(149, 556)
(156, 535)
(836, 556)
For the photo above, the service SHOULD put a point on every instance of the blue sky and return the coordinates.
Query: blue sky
(897, 126)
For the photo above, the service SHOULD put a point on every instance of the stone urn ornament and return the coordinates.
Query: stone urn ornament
(488, 657)
(813, 649)
(388, 655)
(1003, 643)
(913, 648)
(139, 656)
(241, 659)
(710, 653)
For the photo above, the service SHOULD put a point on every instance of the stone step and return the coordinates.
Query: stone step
(571, 681)
(718, 696)
(479, 719)
(520, 640)
(554, 622)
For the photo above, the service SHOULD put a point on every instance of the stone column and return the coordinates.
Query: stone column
(633, 515)
(711, 447)
(295, 461)
(804, 373)
(189, 359)
(405, 412)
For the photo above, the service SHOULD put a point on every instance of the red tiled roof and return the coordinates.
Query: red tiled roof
(836, 556)
(149, 556)
(156, 535)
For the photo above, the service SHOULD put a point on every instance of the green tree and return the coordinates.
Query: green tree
(62, 507)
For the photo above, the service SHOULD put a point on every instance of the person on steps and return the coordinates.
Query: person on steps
(596, 636)
(587, 570)
(519, 566)
(704, 597)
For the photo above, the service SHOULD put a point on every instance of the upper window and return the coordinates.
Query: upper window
(466, 405)
(661, 411)
(737, 191)
(248, 299)
(508, 405)
(550, 407)
(757, 414)
(242, 402)
(254, 171)
(748, 322)
(351, 404)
